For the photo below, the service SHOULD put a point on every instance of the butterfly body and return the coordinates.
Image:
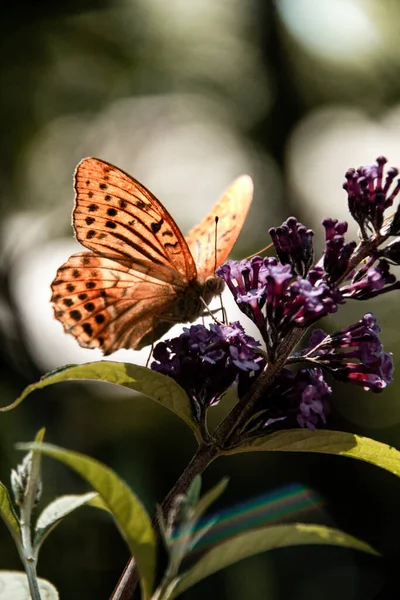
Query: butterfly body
(140, 276)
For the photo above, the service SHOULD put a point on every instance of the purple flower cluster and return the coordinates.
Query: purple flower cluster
(337, 252)
(274, 299)
(297, 399)
(294, 245)
(281, 295)
(354, 354)
(369, 195)
(206, 362)
(374, 278)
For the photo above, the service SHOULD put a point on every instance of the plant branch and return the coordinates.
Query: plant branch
(204, 455)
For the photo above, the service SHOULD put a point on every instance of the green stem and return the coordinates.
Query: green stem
(27, 554)
(204, 455)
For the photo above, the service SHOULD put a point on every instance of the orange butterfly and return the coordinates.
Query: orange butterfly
(141, 276)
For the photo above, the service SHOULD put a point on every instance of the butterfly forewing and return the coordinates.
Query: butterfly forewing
(140, 276)
(211, 244)
(114, 213)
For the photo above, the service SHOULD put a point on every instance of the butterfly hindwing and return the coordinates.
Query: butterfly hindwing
(106, 304)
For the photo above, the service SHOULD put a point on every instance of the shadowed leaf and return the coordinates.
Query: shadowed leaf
(157, 386)
(256, 541)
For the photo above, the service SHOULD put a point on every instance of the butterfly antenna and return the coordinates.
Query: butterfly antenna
(224, 315)
(216, 243)
(259, 252)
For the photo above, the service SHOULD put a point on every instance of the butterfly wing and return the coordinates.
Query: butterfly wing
(140, 267)
(231, 210)
(115, 214)
(107, 304)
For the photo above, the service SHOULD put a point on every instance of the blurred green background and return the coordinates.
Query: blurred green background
(185, 96)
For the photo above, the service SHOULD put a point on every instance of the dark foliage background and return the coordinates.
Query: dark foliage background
(186, 96)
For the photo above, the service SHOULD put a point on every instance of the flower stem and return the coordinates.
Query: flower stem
(26, 552)
(204, 455)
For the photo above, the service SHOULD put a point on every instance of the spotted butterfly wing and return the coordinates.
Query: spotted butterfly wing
(140, 275)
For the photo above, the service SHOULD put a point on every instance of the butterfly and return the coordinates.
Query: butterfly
(141, 275)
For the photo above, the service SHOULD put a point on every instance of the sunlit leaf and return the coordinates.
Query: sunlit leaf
(14, 586)
(7, 512)
(256, 541)
(328, 442)
(129, 514)
(57, 510)
(157, 386)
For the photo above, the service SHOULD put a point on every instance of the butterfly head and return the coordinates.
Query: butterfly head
(213, 286)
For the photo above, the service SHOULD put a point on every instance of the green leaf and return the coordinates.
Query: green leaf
(259, 540)
(55, 512)
(34, 475)
(157, 386)
(327, 442)
(129, 514)
(14, 585)
(210, 497)
(193, 493)
(7, 513)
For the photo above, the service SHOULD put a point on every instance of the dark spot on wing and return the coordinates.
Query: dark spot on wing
(82, 296)
(71, 288)
(112, 212)
(100, 318)
(68, 302)
(58, 281)
(90, 220)
(90, 194)
(122, 203)
(87, 182)
(92, 207)
(103, 293)
(167, 232)
(168, 245)
(155, 227)
(140, 204)
(76, 273)
(101, 236)
(90, 234)
(87, 328)
(85, 260)
(76, 315)
(107, 197)
(111, 225)
(90, 285)
(56, 298)
(89, 306)
(103, 186)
